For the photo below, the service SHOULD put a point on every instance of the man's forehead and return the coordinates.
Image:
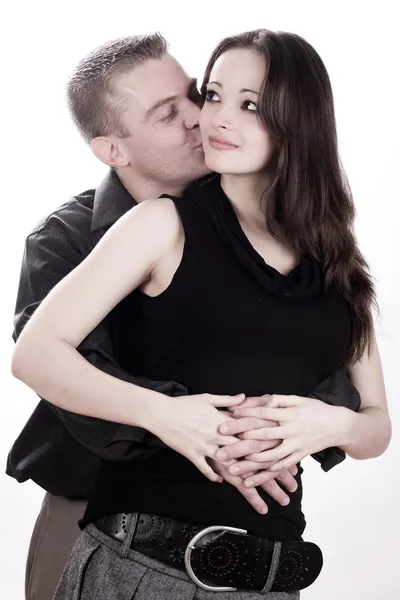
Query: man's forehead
(152, 81)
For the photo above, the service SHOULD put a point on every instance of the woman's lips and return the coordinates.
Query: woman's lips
(221, 144)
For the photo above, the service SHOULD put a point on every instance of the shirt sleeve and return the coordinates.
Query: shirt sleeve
(336, 390)
(49, 255)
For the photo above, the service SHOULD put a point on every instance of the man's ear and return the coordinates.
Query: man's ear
(110, 151)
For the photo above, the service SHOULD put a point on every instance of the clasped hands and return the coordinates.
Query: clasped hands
(274, 433)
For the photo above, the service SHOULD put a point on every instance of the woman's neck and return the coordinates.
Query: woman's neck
(248, 197)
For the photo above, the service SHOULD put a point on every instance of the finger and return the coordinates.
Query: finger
(250, 494)
(272, 414)
(241, 467)
(228, 463)
(294, 470)
(226, 413)
(288, 461)
(281, 401)
(287, 480)
(225, 401)
(241, 448)
(260, 478)
(274, 490)
(249, 474)
(205, 468)
(265, 433)
(235, 426)
(256, 401)
(274, 455)
(271, 443)
(219, 466)
(225, 440)
(253, 498)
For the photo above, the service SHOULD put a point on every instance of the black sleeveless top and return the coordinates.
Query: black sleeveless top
(228, 323)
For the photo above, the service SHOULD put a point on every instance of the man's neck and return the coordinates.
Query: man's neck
(143, 189)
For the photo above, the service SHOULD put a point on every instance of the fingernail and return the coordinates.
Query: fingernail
(249, 483)
(285, 502)
(234, 470)
(222, 455)
(224, 429)
(264, 510)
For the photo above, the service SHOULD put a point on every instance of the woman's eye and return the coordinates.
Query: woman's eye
(211, 96)
(250, 106)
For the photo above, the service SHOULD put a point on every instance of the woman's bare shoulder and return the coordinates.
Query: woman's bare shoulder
(156, 216)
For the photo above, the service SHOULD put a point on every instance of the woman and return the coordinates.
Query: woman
(252, 283)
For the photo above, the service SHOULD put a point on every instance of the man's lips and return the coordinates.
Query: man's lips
(221, 144)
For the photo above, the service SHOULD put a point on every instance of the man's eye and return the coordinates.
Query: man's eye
(211, 96)
(170, 116)
(249, 106)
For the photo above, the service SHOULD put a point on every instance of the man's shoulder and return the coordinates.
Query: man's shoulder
(73, 217)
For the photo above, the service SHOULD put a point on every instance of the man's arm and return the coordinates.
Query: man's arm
(50, 254)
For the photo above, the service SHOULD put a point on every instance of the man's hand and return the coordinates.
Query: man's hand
(271, 486)
(305, 426)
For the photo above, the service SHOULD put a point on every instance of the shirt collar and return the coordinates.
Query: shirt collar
(111, 201)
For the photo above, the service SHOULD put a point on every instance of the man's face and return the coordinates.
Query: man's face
(162, 118)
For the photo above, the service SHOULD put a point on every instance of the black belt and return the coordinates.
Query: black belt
(219, 558)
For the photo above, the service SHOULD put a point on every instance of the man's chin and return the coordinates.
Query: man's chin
(201, 178)
(200, 171)
(206, 171)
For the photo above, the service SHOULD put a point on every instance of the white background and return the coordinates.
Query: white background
(352, 512)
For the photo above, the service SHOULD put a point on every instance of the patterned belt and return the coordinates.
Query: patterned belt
(219, 558)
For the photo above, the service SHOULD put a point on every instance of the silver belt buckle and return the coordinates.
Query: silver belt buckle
(191, 546)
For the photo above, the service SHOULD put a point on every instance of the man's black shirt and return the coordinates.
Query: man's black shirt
(59, 450)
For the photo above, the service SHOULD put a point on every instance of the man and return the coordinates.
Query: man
(160, 153)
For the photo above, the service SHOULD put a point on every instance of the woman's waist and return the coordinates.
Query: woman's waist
(186, 495)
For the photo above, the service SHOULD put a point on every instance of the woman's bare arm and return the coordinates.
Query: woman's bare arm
(45, 357)
(369, 431)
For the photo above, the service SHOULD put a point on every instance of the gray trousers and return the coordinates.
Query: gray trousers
(100, 568)
(55, 532)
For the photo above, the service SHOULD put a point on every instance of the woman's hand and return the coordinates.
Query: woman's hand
(189, 425)
(304, 426)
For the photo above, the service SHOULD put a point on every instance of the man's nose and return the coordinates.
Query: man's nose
(192, 117)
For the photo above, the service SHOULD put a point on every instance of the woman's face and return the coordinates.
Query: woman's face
(234, 140)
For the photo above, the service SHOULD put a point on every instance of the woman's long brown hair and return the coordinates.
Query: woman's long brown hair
(311, 206)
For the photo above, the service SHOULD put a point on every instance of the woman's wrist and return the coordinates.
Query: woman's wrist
(147, 408)
(345, 423)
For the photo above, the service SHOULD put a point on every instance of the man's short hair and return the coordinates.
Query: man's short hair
(93, 101)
